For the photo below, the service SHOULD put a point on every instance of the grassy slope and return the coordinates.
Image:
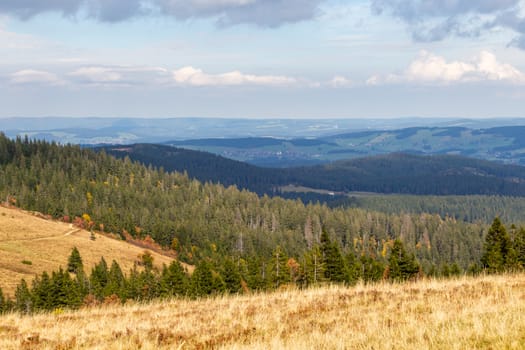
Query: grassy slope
(47, 245)
(467, 313)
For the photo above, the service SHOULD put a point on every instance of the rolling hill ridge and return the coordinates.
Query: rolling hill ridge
(394, 173)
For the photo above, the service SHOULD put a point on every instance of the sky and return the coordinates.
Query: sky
(262, 58)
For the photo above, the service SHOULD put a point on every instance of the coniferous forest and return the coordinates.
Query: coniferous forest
(237, 241)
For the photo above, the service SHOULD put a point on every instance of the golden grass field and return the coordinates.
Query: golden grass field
(47, 245)
(486, 312)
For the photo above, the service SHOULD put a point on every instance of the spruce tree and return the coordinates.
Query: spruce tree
(99, 279)
(255, 273)
(74, 263)
(231, 276)
(519, 246)
(353, 267)
(116, 282)
(496, 248)
(23, 298)
(402, 266)
(174, 280)
(64, 291)
(371, 270)
(313, 270)
(334, 265)
(202, 279)
(3, 302)
(42, 292)
(278, 269)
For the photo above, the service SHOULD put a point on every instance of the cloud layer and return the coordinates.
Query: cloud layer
(432, 69)
(434, 20)
(196, 77)
(265, 13)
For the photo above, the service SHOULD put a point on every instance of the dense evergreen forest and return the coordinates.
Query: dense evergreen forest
(121, 196)
(268, 241)
(474, 209)
(387, 174)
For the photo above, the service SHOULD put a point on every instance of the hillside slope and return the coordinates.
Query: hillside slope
(468, 313)
(45, 245)
(393, 173)
(413, 174)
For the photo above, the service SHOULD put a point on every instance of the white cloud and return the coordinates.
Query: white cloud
(197, 77)
(140, 76)
(97, 75)
(119, 75)
(432, 69)
(340, 82)
(11, 40)
(31, 76)
(429, 67)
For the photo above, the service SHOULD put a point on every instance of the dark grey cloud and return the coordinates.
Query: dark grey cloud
(434, 20)
(264, 13)
(103, 10)
(272, 13)
(25, 9)
(417, 10)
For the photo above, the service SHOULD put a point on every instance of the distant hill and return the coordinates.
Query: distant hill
(394, 173)
(203, 166)
(413, 174)
(504, 144)
(30, 245)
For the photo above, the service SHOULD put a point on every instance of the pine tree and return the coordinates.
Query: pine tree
(334, 265)
(231, 276)
(23, 298)
(116, 282)
(99, 279)
(3, 302)
(149, 285)
(353, 268)
(371, 270)
(496, 248)
(74, 263)
(255, 273)
(519, 246)
(174, 280)
(278, 269)
(202, 279)
(313, 267)
(42, 292)
(64, 291)
(402, 266)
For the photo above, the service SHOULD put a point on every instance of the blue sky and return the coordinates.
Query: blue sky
(262, 59)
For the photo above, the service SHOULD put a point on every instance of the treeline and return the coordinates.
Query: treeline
(323, 263)
(73, 288)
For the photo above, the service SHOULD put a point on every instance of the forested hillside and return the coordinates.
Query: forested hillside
(475, 209)
(411, 174)
(263, 241)
(394, 173)
(203, 166)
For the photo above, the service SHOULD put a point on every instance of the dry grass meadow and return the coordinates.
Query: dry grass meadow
(30, 245)
(486, 312)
